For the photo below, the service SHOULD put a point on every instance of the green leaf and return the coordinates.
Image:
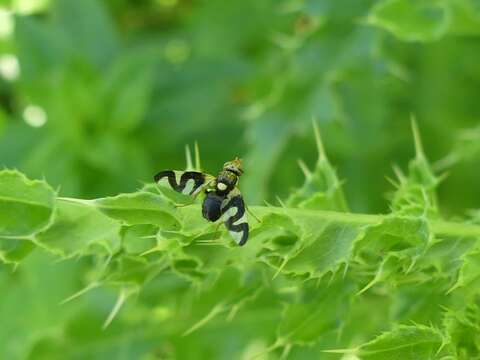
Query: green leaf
(140, 208)
(319, 313)
(465, 16)
(327, 245)
(267, 138)
(469, 275)
(15, 250)
(26, 207)
(129, 271)
(29, 292)
(80, 229)
(127, 89)
(82, 21)
(395, 233)
(135, 237)
(416, 193)
(3, 121)
(410, 20)
(39, 50)
(139, 238)
(322, 189)
(463, 329)
(466, 148)
(405, 343)
(223, 295)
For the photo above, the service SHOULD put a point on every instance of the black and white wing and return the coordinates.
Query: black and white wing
(185, 182)
(235, 216)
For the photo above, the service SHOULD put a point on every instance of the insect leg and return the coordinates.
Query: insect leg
(208, 184)
(193, 198)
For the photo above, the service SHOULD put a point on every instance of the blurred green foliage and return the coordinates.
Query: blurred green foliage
(97, 96)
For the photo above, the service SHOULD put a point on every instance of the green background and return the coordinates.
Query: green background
(125, 85)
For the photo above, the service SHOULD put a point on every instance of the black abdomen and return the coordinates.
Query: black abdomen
(212, 207)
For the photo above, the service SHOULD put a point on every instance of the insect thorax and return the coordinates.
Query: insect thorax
(225, 182)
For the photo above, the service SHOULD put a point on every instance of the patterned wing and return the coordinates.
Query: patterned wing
(185, 182)
(235, 217)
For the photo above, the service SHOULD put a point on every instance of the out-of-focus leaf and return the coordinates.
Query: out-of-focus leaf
(3, 120)
(39, 49)
(267, 139)
(411, 20)
(83, 21)
(127, 90)
(465, 17)
(315, 316)
(29, 295)
(426, 21)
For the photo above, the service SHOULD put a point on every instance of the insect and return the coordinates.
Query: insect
(222, 196)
